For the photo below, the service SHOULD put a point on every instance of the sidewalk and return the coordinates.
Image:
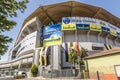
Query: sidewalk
(40, 78)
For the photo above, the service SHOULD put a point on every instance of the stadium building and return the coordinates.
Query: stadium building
(48, 33)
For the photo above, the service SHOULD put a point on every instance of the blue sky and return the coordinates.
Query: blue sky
(113, 6)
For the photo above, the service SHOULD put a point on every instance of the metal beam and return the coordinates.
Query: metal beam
(29, 30)
(47, 15)
(97, 12)
(71, 8)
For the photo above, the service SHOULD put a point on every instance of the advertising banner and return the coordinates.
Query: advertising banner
(95, 27)
(104, 29)
(81, 23)
(113, 32)
(83, 26)
(71, 26)
(52, 35)
(118, 34)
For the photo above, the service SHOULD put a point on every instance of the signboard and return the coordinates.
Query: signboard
(81, 23)
(71, 26)
(117, 70)
(118, 34)
(82, 27)
(95, 27)
(52, 35)
(113, 32)
(104, 29)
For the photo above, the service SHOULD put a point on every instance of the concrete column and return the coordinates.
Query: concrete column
(88, 36)
(36, 57)
(39, 24)
(51, 61)
(106, 38)
(56, 57)
(115, 42)
(39, 28)
(59, 57)
(98, 36)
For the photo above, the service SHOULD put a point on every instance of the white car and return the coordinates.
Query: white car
(20, 74)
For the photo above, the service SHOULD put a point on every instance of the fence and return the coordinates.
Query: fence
(72, 74)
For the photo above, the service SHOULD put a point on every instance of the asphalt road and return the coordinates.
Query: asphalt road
(10, 78)
(6, 78)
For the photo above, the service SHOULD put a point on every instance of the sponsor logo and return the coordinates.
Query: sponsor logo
(66, 20)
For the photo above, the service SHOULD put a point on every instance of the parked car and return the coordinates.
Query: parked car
(20, 74)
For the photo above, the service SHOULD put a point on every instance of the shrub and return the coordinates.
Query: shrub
(34, 70)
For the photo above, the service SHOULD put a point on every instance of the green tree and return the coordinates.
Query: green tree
(8, 9)
(82, 56)
(75, 59)
(34, 70)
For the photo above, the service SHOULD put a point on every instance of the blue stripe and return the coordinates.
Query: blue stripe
(66, 51)
(42, 60)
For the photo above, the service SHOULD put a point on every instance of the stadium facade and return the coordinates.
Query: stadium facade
(48, 33)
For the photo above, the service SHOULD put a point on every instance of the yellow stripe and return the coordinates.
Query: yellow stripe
(11, 66)
(69, 57)
(41, 56)
(19, 64)
(74, 45)
(45, 58)
(107, 46)
(111, 46)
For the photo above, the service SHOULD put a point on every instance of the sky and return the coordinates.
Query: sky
(112, 6)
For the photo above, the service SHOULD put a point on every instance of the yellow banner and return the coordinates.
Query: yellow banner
(95, 27)
(52, 41)
(113, 32)
(71, 26)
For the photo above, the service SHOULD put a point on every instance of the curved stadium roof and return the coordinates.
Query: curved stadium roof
(55, 12)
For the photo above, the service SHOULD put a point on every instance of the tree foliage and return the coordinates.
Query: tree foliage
(83, 55)
(75, 59)
(8, 9)
(74, 56)
(34, 70)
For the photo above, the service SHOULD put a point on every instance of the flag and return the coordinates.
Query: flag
(41, 49)
(77, 48)
(69, 46)
(44, 52)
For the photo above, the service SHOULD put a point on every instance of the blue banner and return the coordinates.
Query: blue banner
(118, 34)
(83, 26)
(104, 29)
(52, 35)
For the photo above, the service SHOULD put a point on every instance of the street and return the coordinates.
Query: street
(38, 78)
(6, 78)
(10, 78)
